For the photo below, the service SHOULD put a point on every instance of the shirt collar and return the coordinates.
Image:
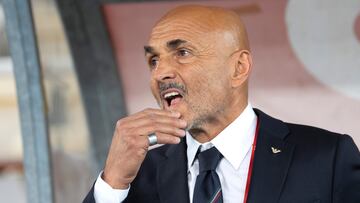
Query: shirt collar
(233, 142)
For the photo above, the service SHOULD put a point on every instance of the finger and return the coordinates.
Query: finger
(159, 128)
(163, 138)
(147, 118)
(149, 112)
(157, 120)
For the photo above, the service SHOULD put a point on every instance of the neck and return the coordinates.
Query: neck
(214, 125)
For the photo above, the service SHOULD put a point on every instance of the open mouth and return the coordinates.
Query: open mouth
(172, 97)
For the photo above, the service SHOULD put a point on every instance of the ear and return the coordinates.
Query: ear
(242, 64)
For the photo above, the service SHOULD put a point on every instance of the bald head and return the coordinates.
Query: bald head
(222, 22)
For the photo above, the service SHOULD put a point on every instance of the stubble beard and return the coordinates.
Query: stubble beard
(203, 115)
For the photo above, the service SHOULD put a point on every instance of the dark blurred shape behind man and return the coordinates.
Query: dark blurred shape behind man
(200, 61)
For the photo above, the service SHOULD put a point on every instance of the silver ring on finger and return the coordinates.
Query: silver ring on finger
(152, 139)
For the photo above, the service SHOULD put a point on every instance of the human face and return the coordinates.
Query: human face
(189, 71)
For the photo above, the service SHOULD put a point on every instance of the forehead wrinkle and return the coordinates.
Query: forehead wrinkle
(202, 46)
(196, 32)
(164, 38)
(167, 32)
(182, 24)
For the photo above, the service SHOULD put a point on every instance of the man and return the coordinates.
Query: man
(200, 62)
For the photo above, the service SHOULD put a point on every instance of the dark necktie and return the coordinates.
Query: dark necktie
(207, 185)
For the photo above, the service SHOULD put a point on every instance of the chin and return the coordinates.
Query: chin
(185, 116)
(193, 124)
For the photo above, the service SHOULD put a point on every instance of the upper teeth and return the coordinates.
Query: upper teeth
(170, 94)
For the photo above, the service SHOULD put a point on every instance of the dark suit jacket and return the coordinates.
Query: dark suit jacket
(314, 165)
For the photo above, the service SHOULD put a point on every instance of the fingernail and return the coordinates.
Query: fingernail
(177, 140)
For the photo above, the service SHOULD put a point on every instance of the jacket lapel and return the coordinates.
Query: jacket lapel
(172, 175)
(270, 165)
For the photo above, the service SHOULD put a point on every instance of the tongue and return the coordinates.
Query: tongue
(175, 100)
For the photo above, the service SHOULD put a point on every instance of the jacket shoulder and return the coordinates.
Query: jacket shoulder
(305, 133)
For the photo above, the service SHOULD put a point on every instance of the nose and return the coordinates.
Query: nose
(164, 72)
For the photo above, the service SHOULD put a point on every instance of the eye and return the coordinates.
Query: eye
(153, 62)
(183, 53)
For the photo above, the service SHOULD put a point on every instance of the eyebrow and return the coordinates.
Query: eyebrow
(172, 44)
(149, 50)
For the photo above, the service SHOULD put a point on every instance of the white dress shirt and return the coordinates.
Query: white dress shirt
(234, 143)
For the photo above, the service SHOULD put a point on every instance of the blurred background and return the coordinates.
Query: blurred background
(306, 70)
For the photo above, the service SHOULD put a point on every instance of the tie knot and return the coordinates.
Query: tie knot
(209, 159)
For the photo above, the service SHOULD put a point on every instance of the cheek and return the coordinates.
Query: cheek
(207, 84)
(205, 79)
(214, 78)
(154, 89)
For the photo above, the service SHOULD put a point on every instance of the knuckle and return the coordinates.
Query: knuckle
(141, 152)
(171, 139)
(119, 123)
(127, 131)
(173, 130)
(122, 132)
(151, 117)
(168, 138)
(156, 126)
(132, 142)
(174, 121)
(148, 111)
(148, 127)
(126, 139)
